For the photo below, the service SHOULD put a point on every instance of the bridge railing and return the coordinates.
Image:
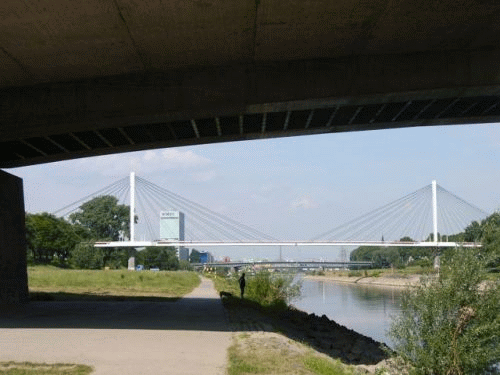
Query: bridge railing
(287, 265)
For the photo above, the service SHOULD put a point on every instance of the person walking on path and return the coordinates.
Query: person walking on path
(242, 283)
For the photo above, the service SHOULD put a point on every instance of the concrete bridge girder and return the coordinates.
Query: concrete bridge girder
(65, 120)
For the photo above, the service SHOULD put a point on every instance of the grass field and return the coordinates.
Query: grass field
(28, 368)
(48, 281)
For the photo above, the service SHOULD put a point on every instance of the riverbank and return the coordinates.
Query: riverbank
(395, 281)
(322, 335)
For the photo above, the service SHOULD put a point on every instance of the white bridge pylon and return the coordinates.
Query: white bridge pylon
(273, 242)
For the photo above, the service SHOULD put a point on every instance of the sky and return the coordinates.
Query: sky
(292, 188)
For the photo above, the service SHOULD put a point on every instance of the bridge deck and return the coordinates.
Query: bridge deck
(284, 243)
(287, 265)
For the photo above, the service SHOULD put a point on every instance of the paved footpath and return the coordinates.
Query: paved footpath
(189, 336)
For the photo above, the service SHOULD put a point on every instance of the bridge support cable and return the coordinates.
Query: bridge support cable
(148, 200)
(213, 224)
(448, 220)
(114, 189)
(394, 222)
(358, 226)
(434, 212)
(460, 212)
(430, 210)
(195, 225)
(121, 194)
(385, 216)
(145, 220)
(132, 206)
(156, 205)
(424, 224)
(345, 231)
(241, 228)
(194, 220)
(414, 227)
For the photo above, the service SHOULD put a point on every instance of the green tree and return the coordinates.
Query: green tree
(450, 324)
(473, 232)
(164, 258)
(49, 238)
(397, 256)
(194, 257)
(104, 218)
(491, 238)
(488, 233)
(86, 256)
(185, 265)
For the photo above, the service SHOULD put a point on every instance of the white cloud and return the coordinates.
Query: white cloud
(193, 166)
(149, 155)
(204, 176)
(304, 203)
(186, 159)
(271, 192)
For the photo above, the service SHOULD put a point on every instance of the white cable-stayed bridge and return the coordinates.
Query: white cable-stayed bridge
(424, 218)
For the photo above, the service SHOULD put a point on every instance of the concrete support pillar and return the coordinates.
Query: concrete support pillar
(13, 268)
(131, 264)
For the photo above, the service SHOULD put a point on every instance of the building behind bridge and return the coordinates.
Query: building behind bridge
(206, 257)
(172, 229)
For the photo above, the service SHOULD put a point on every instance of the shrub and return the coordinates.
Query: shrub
(422, 262)
(449, 325)
(355, 273)
(86, 256)
(270, 289)
(376, 273)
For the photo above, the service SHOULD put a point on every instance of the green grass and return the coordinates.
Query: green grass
(28, 368)
(324, 366)
(271, 353)
(222, 283)
(46, 279)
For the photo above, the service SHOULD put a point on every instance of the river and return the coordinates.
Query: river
(364, 309)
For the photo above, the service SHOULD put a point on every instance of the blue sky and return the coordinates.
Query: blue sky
(296, 187)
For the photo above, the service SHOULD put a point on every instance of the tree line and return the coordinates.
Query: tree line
(70, 242)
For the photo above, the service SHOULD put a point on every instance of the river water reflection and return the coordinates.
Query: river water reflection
(364, 309)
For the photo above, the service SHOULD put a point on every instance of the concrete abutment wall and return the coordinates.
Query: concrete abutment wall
(13, 267)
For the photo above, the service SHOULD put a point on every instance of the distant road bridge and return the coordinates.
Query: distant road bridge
(303, 265)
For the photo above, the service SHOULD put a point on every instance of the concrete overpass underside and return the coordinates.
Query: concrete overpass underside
(93, 77)
(103, 76)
